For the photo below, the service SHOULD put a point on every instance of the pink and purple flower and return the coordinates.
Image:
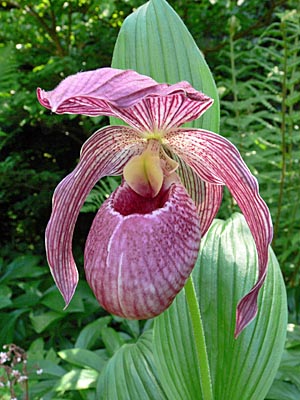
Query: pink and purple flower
(145, 238)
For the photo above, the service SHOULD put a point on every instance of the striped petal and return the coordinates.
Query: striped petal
(217, 161)
(104, 153)
(140, 251)
(137, 99)
(206, 196)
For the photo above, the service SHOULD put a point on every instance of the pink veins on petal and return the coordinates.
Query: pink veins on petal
(150, 250)
(144, 240)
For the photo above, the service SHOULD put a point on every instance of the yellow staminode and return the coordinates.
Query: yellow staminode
(144, 173)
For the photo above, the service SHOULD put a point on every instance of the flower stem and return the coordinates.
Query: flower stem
(198, 331)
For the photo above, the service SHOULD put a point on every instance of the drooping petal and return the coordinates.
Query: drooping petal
(217, 161)
(137, 99)
(104, 153)
(206, 196)
(140, 251)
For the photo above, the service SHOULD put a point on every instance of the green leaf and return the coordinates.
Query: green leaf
(154, 41)
(28, 299)
(50, 369)
(5, 295)
(131, 373)
(83, 358)
(23, 267)
(225, 271)
(7, 325)
(53, 300)
(8, 69)
(36, 348)
(293, 336)
(249, 364)
(77, 379)
(175, 352)
(289, 370)
(111, 339)
(43, 390)
(283, 391)
(129, 325)
(42, 322)
(91, 333)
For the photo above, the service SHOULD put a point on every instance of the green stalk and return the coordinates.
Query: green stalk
(198, 332)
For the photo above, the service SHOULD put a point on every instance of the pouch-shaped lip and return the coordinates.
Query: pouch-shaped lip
(140, 252)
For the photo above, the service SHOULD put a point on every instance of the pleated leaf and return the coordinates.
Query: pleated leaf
(155, 42)
(240, 369)
(131, 374)
(175, 352)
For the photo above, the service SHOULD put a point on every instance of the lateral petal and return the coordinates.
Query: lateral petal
(140, 251)
(206, 196)
(218, 161)
(137, 99)
(104, 153)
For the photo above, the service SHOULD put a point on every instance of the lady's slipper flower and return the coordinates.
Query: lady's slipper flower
(145, 238)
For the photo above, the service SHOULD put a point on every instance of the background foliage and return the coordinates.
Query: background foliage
(252, 48)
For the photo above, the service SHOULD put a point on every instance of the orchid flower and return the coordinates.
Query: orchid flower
(145, 238)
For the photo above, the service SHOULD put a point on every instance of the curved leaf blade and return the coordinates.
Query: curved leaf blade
(175, 352)
(155, 42)
(225, 270)
(131, 373)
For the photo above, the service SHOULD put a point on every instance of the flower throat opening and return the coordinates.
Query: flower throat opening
(127, 202)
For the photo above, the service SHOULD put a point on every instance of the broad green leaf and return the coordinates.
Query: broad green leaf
(229, 269)
(225, 271)
(155, 42)
(49, 369)
(281, 390)
(53, 300)
(175, 352)
(77, 379)
(83, 358)
(131, 374)
(23, 267)
(91, 333)
(42, 322)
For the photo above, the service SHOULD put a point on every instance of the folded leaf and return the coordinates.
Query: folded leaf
(131, 374)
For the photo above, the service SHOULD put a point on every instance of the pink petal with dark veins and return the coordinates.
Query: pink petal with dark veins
(217, 161)
(137, 99)
(206, 196)
(104, 153)
(140, 251)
